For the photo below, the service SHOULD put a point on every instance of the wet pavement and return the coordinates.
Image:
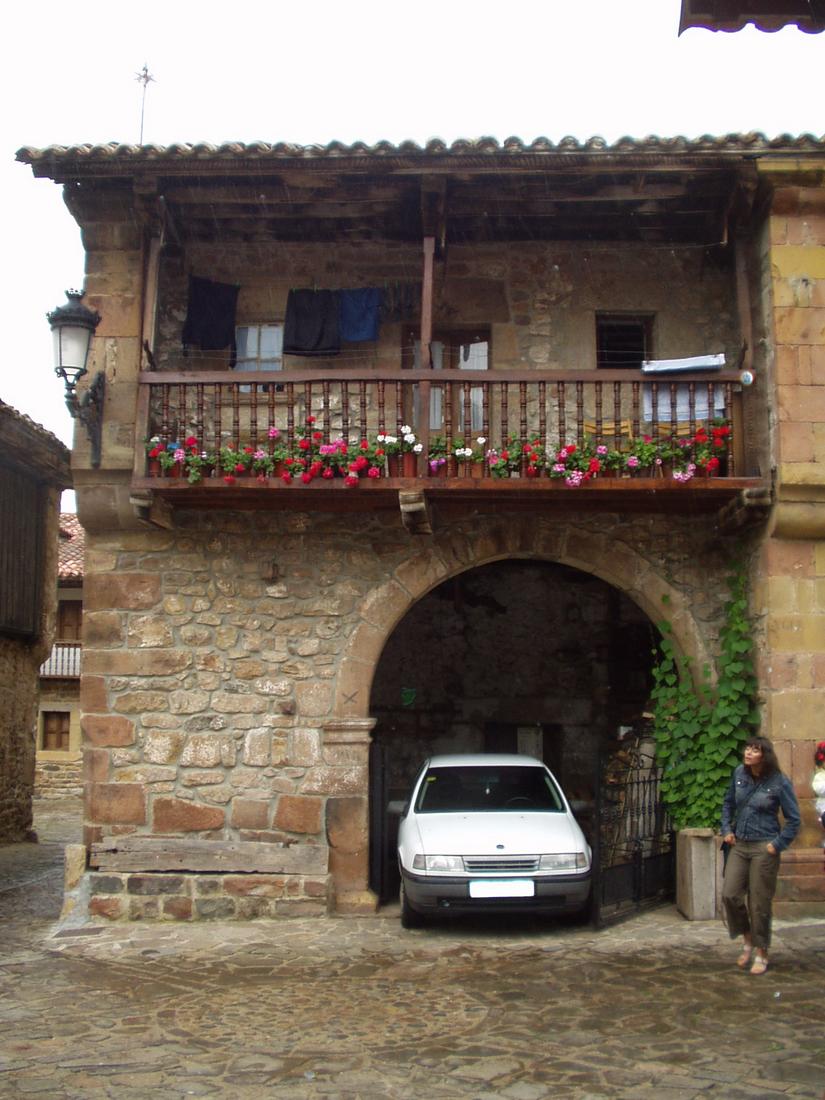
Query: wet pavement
(359, 1009)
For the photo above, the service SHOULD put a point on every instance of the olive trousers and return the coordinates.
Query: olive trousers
(749, 887)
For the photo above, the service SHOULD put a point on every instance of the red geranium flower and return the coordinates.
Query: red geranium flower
(303, 444)
(229, 479)
(286, 477)
(373, 471)
(190, 441)
(350, 480)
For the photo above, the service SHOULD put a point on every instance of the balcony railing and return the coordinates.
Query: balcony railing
(504, 408)
(63, 663)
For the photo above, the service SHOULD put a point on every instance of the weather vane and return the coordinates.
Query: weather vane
(143, 77)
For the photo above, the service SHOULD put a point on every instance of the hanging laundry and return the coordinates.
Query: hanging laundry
(400, 302)
(311, 323)
(358, 314)
(210, 316)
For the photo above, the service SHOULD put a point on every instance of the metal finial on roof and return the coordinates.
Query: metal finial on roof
(144, 77)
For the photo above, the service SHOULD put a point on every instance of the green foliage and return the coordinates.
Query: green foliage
(700, 730)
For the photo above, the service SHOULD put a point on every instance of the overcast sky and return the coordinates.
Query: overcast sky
(310, 71)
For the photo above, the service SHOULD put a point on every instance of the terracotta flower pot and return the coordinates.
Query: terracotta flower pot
(409, 464)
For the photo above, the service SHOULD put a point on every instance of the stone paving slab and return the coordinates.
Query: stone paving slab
(359, 1009)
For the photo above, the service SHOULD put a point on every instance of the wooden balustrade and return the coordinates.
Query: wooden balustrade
(553, 408)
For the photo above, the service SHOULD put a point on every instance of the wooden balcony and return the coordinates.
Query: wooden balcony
(550, 409)
(63, 663)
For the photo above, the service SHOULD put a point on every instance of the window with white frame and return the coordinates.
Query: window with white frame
(260, 347)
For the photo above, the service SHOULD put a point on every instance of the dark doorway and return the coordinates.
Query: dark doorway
(514, 656)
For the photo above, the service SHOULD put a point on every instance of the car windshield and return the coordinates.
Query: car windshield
(500, 788)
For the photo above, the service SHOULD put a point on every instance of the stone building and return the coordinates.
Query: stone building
(34, 469)
(58, 765)
(275, 635)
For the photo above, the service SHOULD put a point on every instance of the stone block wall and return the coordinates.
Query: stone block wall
(539, 300)
(789, 573)
(190, 897)
(220, 704)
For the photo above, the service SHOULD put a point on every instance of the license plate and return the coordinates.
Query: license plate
(499, 888)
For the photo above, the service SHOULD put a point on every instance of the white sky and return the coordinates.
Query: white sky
(311, 71)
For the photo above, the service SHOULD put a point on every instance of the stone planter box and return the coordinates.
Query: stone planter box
(698, 874)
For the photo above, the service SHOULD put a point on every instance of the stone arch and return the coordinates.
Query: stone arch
(460, 548)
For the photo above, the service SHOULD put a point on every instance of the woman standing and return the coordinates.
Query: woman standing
(750, 826)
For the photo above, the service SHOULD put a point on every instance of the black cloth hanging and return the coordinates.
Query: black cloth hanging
(210, 316)
(311, 323)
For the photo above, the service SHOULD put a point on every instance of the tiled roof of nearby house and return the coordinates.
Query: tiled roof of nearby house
(31, 447)
(113, 155)
(70, 548)
(767, 15)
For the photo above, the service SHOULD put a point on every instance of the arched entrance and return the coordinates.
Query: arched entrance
(636, 580)
(515, 656)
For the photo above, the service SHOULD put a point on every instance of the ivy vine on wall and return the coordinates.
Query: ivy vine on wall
(700, 728)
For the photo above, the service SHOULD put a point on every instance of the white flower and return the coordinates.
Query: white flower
(418, 448)
(380, 438)
(481, 440)
(409, 437)
(390, 438)
(405, 429)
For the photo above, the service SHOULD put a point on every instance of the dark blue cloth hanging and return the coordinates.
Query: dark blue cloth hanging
(358, 314)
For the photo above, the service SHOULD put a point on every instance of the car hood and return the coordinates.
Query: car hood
(492, 833)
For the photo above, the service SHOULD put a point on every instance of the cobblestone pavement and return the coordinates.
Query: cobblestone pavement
(358, 1009)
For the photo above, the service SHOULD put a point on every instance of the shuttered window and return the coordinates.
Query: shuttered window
(21, 554)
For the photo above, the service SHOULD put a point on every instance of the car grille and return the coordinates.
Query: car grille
(497, 864)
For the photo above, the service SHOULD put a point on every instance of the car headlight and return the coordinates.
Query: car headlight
(438, 865)
(564, 861)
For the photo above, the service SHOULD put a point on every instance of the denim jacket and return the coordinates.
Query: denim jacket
(759, 820)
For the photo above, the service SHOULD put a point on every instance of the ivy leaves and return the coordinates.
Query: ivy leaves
(700, 730)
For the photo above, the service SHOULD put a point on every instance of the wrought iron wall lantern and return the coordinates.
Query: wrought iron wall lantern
(73, 326)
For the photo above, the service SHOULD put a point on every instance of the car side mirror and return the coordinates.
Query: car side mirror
(397, 808)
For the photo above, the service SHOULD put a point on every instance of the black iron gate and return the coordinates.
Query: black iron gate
(384, 876)
(633, 841)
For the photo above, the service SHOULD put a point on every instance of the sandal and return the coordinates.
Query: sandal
(760, 965)
(745, 958)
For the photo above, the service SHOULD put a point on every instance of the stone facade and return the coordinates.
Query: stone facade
(34, 468)
(238, 664)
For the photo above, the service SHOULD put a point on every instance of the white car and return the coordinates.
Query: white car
(490, 832)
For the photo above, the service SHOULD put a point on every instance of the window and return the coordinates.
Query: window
(260, 347)
(623, 340)
(465, 349)
(55, 730)
(69, 619)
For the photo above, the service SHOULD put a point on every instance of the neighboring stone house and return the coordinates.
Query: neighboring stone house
(270, 649)
(58, 770)
(34, 469)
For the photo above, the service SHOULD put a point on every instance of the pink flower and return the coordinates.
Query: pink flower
(328, 472)
(373, 471)
(273, 433)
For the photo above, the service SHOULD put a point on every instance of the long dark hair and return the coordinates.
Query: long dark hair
(770, 765)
